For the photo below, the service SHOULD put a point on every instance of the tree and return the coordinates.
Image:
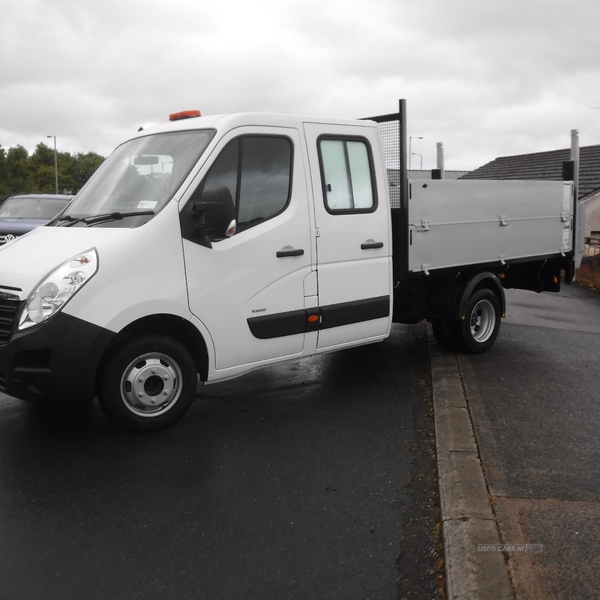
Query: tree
(42, 175)
(42, 155)
(3, 175)
(82, 167)
(42, 180)
(17, 170)
(21, 173)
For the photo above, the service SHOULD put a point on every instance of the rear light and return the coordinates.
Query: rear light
(184, 114)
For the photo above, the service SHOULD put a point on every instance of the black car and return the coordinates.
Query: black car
(20, 214)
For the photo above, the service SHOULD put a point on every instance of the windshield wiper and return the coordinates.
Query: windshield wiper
(95, 219)
(70, 220)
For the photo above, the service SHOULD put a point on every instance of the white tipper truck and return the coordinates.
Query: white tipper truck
(210, 246)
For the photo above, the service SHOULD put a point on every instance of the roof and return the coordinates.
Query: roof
(231, 121)
(545, 166)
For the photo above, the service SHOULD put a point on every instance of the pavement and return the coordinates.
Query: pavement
(517, 453)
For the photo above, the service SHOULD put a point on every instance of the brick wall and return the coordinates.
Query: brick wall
(589, 272)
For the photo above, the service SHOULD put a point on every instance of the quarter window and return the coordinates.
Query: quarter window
(346, 173)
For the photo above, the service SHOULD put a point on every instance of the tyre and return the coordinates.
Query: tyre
(148, 384)
(441, 334)
(448, 334)
(480, 329)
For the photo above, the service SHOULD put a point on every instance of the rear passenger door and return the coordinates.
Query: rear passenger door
(352, 218)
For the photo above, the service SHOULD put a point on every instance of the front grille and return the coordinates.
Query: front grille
(9, 310)
(9, 237)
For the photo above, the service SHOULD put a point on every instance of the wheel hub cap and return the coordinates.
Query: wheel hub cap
(483, 321)
(150, 384)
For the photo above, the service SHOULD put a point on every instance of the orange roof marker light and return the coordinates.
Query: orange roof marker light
(184, 114)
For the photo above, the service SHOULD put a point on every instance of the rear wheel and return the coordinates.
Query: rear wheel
(480, 328)
(478, 331)
(148, 384)
(445, 332)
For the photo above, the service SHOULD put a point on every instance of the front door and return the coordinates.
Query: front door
(249, 290)
(354, 250)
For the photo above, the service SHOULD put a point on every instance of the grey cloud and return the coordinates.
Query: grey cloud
(487, 79)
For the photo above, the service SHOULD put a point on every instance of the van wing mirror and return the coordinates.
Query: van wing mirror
(214, 214)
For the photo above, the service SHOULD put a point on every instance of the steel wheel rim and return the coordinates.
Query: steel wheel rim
(151, 384)
(483, 321)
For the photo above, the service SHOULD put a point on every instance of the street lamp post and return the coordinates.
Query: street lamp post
(417, 154)
(410, 139)
(55, 162)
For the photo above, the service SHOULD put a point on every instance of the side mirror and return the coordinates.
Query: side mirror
(214, 215)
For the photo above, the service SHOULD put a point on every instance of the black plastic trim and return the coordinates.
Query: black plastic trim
(278, 325)
(54, 362)
(335, 315)
(347, 313)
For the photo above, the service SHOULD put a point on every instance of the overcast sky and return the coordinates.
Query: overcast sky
(486, 78)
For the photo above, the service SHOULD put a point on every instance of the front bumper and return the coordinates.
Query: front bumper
(55, 362)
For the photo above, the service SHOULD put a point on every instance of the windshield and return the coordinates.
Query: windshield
(31, 208)
(140, 176)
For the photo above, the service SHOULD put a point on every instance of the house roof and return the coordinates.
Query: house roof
(545, 166)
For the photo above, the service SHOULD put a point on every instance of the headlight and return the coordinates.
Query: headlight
(58, 288)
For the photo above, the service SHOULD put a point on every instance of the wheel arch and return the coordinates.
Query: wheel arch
(449, 297)
(168, 325)
(483, 280)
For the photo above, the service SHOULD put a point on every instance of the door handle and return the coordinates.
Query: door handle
(370, 245)
(291, 252)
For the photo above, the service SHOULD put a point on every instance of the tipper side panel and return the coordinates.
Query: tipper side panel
(456, 223)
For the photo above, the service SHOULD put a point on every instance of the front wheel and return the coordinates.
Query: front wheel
(148, 384)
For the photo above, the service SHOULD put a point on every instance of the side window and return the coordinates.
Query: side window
(225, 169)
(258, 172)
(346, 174)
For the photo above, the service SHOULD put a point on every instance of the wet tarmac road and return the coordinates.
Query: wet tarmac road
(311, 479)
